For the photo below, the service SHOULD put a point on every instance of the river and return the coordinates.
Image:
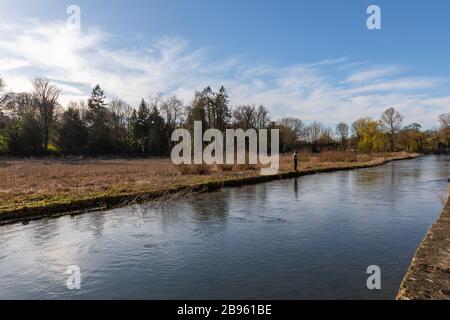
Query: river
(307, 238)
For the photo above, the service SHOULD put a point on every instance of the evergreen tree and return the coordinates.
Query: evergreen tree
(97, 100)
(222, 113)
(197, 112)
(157, 132)
(140, 127)
(72, 133)
(98, 122)
(206, 101)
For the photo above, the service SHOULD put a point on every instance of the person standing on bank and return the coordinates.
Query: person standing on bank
(295, 161)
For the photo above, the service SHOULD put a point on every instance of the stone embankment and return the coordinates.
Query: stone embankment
(428, 277)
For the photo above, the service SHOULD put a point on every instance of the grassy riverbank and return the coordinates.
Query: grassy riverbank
(34, 188)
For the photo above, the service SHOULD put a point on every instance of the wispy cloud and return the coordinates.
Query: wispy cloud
(373, 74)
(331, 90)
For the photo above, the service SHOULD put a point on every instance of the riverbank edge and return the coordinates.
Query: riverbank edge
(428, 277)
(108, 202)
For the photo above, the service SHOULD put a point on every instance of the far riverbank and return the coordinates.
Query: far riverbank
(55, 188)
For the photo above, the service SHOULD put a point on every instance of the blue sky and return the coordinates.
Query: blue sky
(312, 59)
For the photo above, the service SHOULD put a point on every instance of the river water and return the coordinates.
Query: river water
(308, 238)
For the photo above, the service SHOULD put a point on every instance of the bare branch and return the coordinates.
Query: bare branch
(45, 98)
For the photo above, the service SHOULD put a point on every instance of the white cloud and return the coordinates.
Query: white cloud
(7, 64)
(401, 84)
(373, 73)
(331, 90)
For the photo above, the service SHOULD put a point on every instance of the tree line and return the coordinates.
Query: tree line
(34, 123)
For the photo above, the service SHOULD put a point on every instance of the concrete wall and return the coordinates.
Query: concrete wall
(429, 274)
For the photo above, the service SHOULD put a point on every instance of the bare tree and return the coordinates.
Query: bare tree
(19, 104)
(120, 116)
(342, 130)
(173, 112)
(326, 137)
(314, 132)
(78, 105)
(45, 98)
(295, 125)
(3, 96)
(444, 120)
(391, 122)
(357, 126)
(262, 118)
(245, 117)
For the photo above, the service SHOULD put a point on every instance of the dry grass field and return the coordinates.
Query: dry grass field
(29, 183)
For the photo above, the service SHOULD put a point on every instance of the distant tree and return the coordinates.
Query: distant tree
(431, 141)
(211, 108)
(140, 127)
(98, 122)
(149, 130)
(72, 132)
(444, 132)
(97, 100)
(157, 133)
(24, 136)
(27, 121)
(45, 97)
(205, 100)
(20, 104)
(263, 120)
(342, 131)
(444, 120)
(4, 120)
(288, 138)
(391, 122)
(314, 132)
(3, 96)
(172, 110)
(357, 126)
(326, 139)
(23, 130)
(295, 124)
(220, 110)
(414, 126)
(120, 124)
(371, 136)
(245, 117)
(198, 111)
(411, 138)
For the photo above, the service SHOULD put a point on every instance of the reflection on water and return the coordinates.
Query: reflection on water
(311, 237)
